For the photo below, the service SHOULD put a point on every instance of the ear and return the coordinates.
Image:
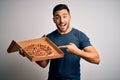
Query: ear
(70, 17)
(53, 19)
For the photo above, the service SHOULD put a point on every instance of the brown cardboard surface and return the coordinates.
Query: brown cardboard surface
(15, 46)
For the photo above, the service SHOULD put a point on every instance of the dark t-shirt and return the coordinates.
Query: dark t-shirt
(68, 67)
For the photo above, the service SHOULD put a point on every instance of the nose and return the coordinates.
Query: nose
(61, 20)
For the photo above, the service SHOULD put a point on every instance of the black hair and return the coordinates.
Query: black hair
(60, 7)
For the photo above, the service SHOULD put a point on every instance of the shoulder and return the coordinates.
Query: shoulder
(83, 38)
(52, 33)
(78, 33)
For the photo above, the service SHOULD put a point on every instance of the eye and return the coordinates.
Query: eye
(65, 16)
(57, 17)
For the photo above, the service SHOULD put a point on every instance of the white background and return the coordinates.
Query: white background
(28, 19)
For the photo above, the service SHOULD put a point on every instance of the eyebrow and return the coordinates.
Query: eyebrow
(62, 14)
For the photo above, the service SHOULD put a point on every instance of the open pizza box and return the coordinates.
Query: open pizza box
(56, 52)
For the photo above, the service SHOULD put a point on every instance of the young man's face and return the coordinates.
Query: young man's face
(62, 20)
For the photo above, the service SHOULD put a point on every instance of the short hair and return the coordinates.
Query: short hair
(60, 7)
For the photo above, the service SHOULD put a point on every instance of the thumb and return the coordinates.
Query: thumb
(64, 46)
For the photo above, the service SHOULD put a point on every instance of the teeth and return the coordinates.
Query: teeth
(62, 24)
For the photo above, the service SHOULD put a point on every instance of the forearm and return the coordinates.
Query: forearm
(89, 53)
(43, 63)
(90, 56)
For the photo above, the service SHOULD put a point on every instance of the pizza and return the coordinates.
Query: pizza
(38, 50)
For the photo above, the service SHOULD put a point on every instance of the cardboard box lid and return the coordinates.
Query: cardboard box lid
(15, 46)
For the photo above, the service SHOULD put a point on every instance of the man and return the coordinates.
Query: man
(75, 45)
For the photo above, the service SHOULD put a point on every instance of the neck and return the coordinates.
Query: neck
(65, 32)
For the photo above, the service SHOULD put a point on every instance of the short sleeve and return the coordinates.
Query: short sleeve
(84, 41)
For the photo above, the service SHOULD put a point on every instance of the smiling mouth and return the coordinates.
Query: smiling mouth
(62, 25)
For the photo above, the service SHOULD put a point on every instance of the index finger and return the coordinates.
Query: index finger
(64, 46)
